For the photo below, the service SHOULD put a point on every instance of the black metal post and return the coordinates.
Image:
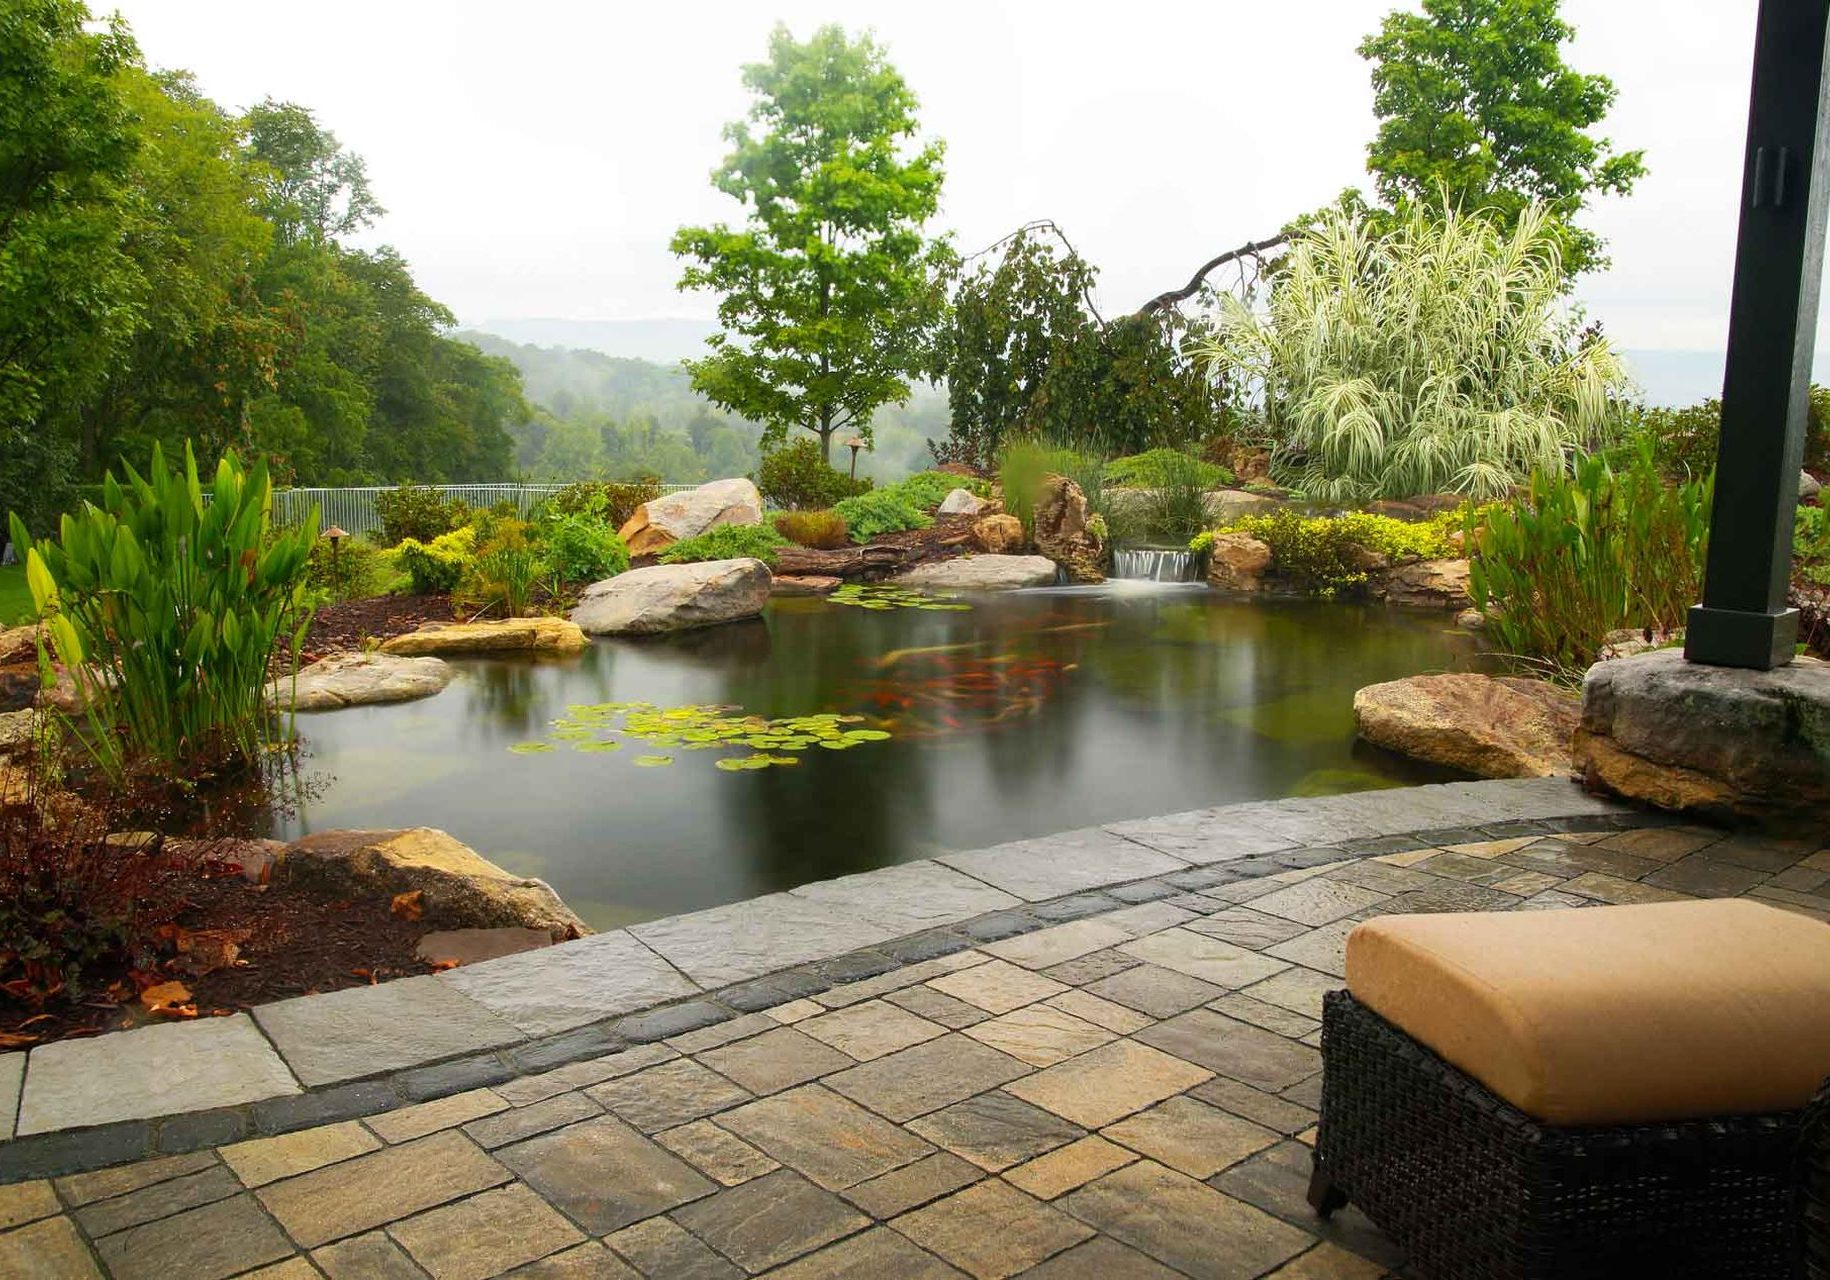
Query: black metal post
(1779, 259)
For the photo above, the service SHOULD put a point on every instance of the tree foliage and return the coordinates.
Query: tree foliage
(1475, 101)
(1024, 354)
(1430, 355)
(827, 288)
(170, 271)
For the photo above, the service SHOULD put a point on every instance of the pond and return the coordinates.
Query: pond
(1024, 714)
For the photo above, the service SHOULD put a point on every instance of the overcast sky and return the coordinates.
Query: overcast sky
(535, 157)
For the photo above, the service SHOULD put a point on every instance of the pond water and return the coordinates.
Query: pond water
(1027, 713)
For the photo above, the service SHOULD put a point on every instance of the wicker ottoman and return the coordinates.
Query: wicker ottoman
(1612, 1091)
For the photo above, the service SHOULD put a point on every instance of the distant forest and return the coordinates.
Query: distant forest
(597, 416)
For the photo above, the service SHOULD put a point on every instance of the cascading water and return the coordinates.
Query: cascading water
(1154, 564)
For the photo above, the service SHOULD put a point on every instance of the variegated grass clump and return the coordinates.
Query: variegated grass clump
(1429, 351)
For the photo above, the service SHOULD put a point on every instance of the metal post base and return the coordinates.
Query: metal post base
(1731, 638)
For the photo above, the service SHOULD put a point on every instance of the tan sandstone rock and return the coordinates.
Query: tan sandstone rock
(1061, 530)
(1494, 727)
(674, 597)
(460, 888)
(805, 584)
(360, 679)
(675, 516)
(1238, 562)
(998, 535)
(1717, 742)
(981, 573)
(1429, 584)
(506, 635)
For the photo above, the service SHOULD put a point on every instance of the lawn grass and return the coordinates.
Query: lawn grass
(15, 596)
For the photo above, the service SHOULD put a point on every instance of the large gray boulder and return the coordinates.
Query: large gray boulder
(674, 597)
(359, 679)
(962, 502)
(1718, 742)
(676, 516)
(982, 573)
(1493, 727)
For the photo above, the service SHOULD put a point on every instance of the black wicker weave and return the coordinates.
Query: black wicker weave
(1471, 1187)
(1814, 1185)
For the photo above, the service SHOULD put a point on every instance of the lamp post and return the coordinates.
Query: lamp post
(854, 444)
(336, 536)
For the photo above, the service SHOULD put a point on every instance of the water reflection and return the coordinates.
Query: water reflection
(1030, 713)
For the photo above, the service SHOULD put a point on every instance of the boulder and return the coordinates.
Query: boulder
(1493, 727)
(18, 730)
(359, 679)
(1238, 562)
(1250, 463)
(805, 584)
(1808, 487)
(674, 597)
(1227, 505)
(19, 646)
(1062, 532)
(459, 887)
(998, 535)
(982, 573)
(506, 635)
(688, 514)
(962, 502)
(1716, 742)
(18, 667)
(1429, 584)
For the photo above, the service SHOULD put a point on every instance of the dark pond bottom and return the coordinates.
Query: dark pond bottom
(1030, 713)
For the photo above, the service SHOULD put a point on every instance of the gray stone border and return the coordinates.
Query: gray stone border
(365, 1050)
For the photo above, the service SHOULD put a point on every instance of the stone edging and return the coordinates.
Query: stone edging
(318, 1059)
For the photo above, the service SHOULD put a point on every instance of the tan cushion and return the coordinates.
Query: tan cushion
(1612, 1015)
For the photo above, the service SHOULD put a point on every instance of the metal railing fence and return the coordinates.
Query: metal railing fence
(353, 509)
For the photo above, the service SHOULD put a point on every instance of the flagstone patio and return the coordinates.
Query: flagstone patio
(1114, 1074)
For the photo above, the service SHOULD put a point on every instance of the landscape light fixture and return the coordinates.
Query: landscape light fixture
(336, 535)
(854, 444)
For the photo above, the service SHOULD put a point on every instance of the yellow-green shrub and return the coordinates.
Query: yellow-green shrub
(438, 565)
(1326, 553)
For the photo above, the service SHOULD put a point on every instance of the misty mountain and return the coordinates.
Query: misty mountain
(663, 341)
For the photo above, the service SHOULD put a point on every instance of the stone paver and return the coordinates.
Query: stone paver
(12, 1080)
(342, 1035)
(557, 988)
(1054, 866)
(150, 1071)
(1127, 1094)
(485, 1235)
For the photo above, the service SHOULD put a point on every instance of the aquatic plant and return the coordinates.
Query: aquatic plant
(882, 596)
(168, 606)
(728, 542)
(1174, 508)
(702, 728)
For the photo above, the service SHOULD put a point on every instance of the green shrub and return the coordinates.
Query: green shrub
(582, 546)
(611, 501)
(823, 530)
(1174, 507)
(1161, 467)
(1324, 554)
(437, 566)
(797, 477)
(351, 570)
(1684, 441)
(870, 515)
(417, 512)
(1577, 556)
(170, 612)
(926, 490)
(728, 542)
(1811, 545)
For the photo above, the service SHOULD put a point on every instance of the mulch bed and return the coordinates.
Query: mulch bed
(293, 941)
(347, 625)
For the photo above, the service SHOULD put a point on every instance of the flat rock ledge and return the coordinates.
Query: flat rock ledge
(1493, 727)
(1717, 742)
(360, 679)
(505, 635)
(461, 889)
(982, 573)
(805, 584)
(674, 597)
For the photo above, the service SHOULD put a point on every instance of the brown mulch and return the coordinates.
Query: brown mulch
(292, 941)
(347, 625)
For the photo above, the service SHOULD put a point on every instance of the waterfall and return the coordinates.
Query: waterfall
(1154, 564)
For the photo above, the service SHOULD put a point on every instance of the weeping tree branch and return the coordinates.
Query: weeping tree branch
(1254, 251)
(1048, 225)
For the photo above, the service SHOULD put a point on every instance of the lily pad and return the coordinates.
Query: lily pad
(530, 748)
